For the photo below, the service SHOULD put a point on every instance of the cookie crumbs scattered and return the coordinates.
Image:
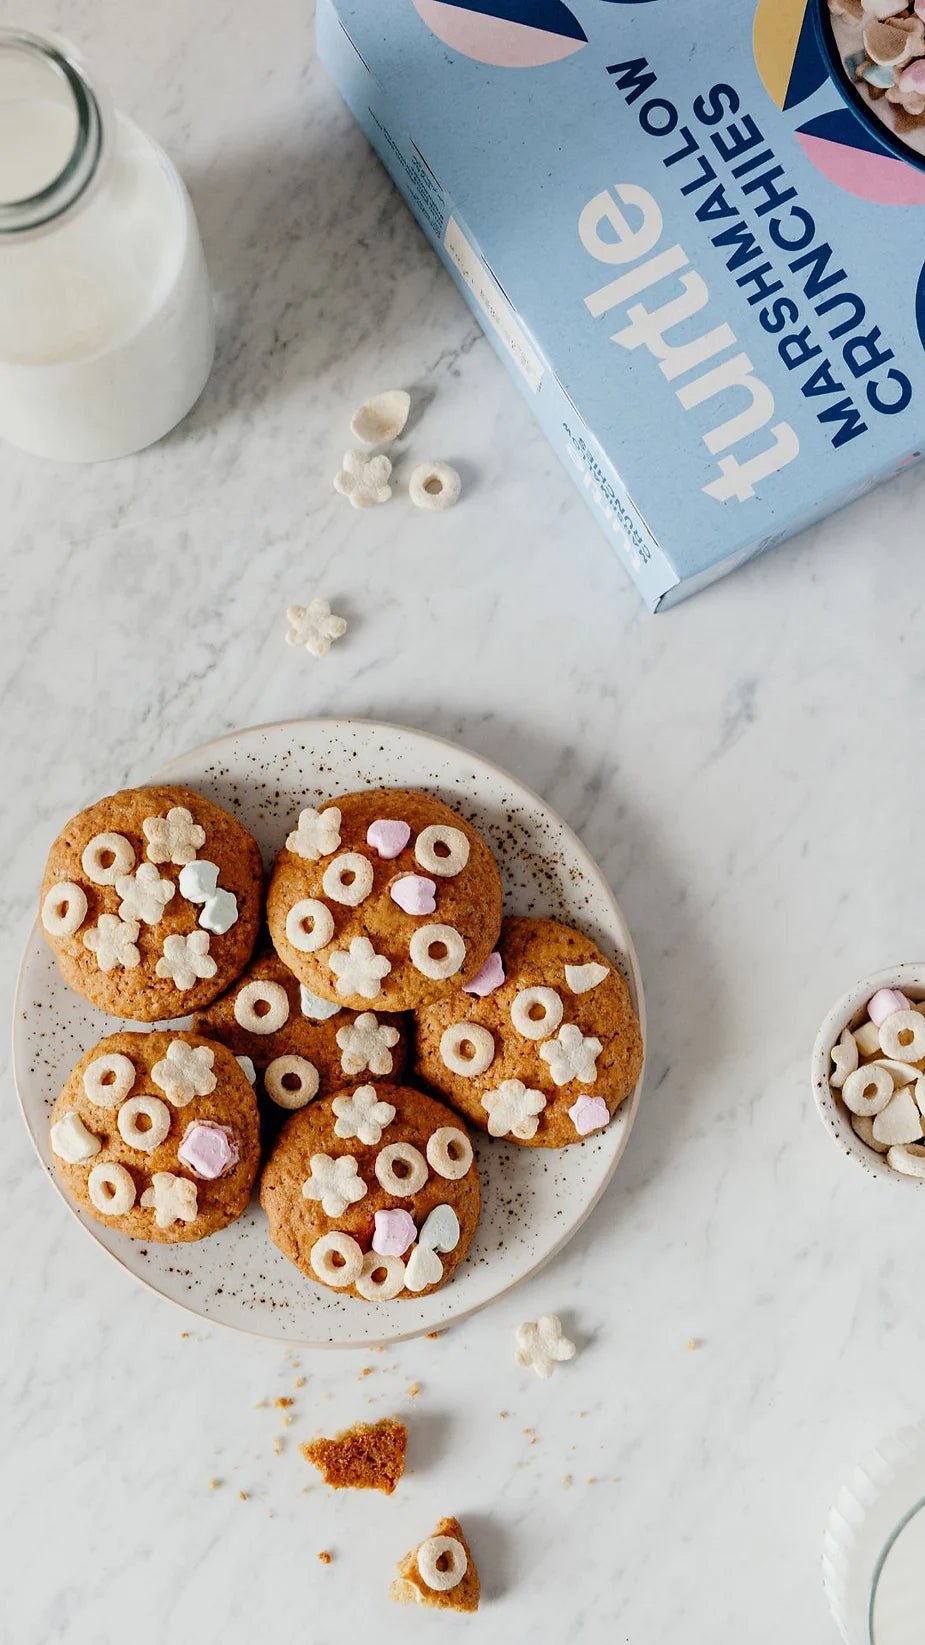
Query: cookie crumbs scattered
(692, 1344)
(414, 1388)
(533, 1440)
(299, 1382)
(325, 1557)
(243, 1495)
(367, 1371)
(503, 1414)
(529, 1430)
(284, 1402)
(214, 1484)
(184, 1334)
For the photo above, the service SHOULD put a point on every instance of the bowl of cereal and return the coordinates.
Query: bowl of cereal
(877, 51)
(868, 1074)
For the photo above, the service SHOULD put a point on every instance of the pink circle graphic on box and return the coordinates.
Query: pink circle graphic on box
(494, 31)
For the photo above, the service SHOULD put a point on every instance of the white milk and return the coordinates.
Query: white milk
(898, 1609)
(106, 318)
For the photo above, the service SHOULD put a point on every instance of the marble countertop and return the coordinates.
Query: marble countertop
(744, 769)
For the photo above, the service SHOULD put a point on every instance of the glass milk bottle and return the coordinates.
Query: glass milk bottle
(106, 319)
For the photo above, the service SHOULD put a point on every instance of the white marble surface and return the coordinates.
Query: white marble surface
(747, 771)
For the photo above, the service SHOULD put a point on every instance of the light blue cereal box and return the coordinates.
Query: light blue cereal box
(691, 229)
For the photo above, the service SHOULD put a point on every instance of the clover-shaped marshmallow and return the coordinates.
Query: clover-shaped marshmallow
(542, 1345)
(199, 884)
(336, 1182)
(174, 838)
(571, 1056)
(513, 1110)
(172, 1199)
(360, 970)
(185, 1072)
(364, 481)
(144, 894)
(186, 958)
(367, 1044)
(363, 1115)
(314, 626)
(113, 941)
(317, 834)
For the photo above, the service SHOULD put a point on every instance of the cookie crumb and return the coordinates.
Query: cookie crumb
(591, 1481)
(368, 1456)
(567, 1480)
(529, 1430)
(261, 1405)
(433, 1335)
(184, 1334)
(243, 1495)
(287, 1421)
(367, 1371)
(502, 1414)
(278, 1445)
(299, 1382)
(284, 1402)
(325, 1557)
(214, 1484)
(414, 1389)
(692, 1344)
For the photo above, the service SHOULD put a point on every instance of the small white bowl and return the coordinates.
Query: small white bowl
(849, 1012)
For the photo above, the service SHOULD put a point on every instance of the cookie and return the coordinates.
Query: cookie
(151, 902)
(300, 1046)
(386, 899)
(157, 1135)
(439, 1571)
(373, 1192)
(370, 1456)
(545, 1049)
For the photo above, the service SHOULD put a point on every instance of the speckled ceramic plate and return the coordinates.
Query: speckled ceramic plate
(534, 1199)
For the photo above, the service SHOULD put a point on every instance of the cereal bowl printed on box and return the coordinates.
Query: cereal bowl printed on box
(531, 1206)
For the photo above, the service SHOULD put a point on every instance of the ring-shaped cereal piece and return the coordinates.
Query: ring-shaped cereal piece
(442, 1563)
(341, 1274)
(352, 890)
(414, 1177)
(261, 992)
(380, 1290)
(449, 1152)
(902, 1035)
(132, 1133)
(111, 1189)
(453, 1043)
(114, 846)
(439, 967)
(322, 925)
(547, 1001)
(109, 1079)
(291, 1081)
(64, 909)
(868, 1090)
(454, 856)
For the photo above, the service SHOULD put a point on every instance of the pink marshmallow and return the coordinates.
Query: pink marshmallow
(394, 1233)
(589, 1114)
(209, 1150)
(885, 1003)
(414, 893)
(388, 837)
(488, 979)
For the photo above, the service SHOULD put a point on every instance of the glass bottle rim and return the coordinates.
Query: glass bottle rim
(64, 189)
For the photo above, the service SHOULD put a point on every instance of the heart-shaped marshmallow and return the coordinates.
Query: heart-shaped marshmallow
(441, 1230)
(423, 1268)
(414, 893)
(488, 979)
(388, 837)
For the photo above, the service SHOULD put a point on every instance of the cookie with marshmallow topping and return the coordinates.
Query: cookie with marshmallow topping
(384, 900)
(543, 1047)
(157, 1135)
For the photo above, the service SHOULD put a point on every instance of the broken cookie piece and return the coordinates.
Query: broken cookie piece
(439, 1571)
(370, 1456)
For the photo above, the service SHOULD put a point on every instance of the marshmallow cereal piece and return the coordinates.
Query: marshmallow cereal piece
(394, 1233)
(171, 1198)
(314, 1007)
(367, 1044)
(335, 1182)
(863, 1127)
(363, 480)
(541, 1344)
(109, 1079)
(261, 1007)
(317, 834)
(379, 421)
(536, 1012)
(589, 1114)
(440, 1231)
(414, 894)
(867, 1039)
(114, 942)
(902, 1036)
(434, 486)
(581, 978)
(381, 1277)
(844, 1058)
(442, 850)
(111, 1189)
(900, 1121)
(895, 40)
(513, 1110)
(423, 1268)
(208, 1150)
(144, 895)
(309, 925)
(413, 1173)
(449, 1152)
(348, 879)
(438, 951)
(199, 884)
(291, 1081)
(572, 1056)
(185, 958)
(442, 1563)
(339, 1274)
(314, 626)
(388, 837)
(907, 90)
(909, 1161)
(868, 1090)
(885, 1002)
(175, 838)
(73, 1141)
(64, 909)
(490, 977)
(359, 970)
(901, 1073)
(144, 1137)
(246, 1065)
(106, 857)
(467, 1049)
(362, 1115)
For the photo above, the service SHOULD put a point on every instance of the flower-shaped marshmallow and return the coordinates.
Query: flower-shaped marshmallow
(367, 1044)
(185, 1072)
(364, 481)
(317, 834)
(186, 958)
(172, 1199)
(908, 91)
(895, 41)
(363, 1115)
(360, 970)
(513, 1110)
(144, 894)
(336, 1182)
(571, 1056)
(314, 626)
(174, 838)
(542, 1345)
(113, 941)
